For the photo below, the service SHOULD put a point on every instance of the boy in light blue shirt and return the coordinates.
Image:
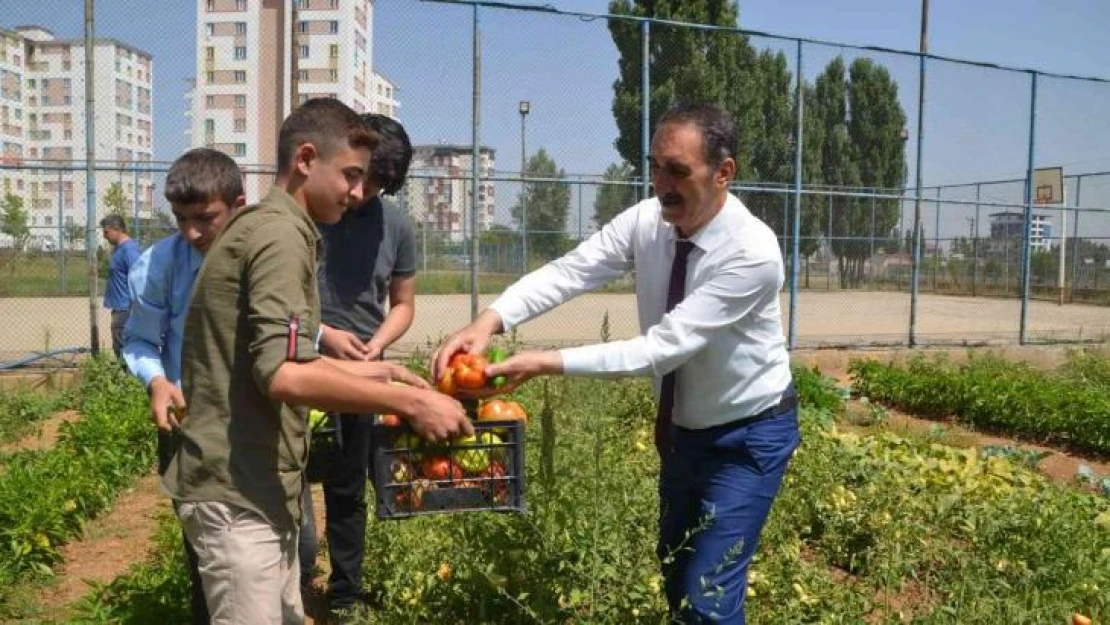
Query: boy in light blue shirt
(204, 188)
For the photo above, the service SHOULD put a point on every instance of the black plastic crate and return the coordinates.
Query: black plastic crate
(414, 477)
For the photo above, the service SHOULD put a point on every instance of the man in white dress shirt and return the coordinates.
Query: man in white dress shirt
(712, 340)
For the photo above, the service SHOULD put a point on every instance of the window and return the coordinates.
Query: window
(240, 28)
(240, 101)
(304, 51)
(210, 101)
(209, 126)
(240, 5)
(49, 220)
(240, 53)
(46, 100)
(240, 149)
(240, 125)
(333, 51)
(31, 83)
(333, 4)
(210, 29)
(302, 26)
(211, 5)
(240, 76)
(210, 53)
(68, 134)
(333, 75)
(333, 27)
(302, 75)
(210, 77)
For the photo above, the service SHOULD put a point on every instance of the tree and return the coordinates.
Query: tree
(686, 65)
(772, 151)
(15, 221)
(115, 200)
(878, 150)
(813, 206)
(838, 169)
(862, 120)
(547, 204)
(74, 234)
(614, 197)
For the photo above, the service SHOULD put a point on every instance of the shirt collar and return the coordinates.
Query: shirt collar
(716, 232)
(278, 197)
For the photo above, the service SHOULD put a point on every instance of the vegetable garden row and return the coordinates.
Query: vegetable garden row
(869, 527)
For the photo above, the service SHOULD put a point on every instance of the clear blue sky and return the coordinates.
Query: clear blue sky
(976, 119)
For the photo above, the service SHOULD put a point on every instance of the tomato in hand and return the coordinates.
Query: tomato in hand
(469, 370)
(446, 382)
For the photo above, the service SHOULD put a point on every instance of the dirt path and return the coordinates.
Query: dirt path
(110, 544)
(47, 433)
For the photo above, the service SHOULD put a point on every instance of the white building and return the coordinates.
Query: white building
(437, 192)
(257, 60)
(42, 124)
(1010, 225)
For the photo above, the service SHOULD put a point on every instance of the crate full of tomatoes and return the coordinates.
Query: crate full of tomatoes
(484, 471)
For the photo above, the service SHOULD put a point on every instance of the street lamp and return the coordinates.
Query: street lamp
(525, 108)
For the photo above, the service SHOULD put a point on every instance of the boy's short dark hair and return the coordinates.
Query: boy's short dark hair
(325, 123)
(389, 165)
(114, 222)
(203, 175)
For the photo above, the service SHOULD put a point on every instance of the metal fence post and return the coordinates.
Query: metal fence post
(795, 252)
(915, 253)
(936, 243)
(90, 178)
(1075, 234)
(829, 239)
(871, 255)
(1027, 226)
(975, 242)
(61, 237)
(135, 194)
(475, 156)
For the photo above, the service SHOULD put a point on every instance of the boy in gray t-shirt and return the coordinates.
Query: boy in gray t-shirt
(368, 257)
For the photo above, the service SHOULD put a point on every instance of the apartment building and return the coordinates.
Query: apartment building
(1010, 226)
(437, 192)
(42, 124)
(258, 59)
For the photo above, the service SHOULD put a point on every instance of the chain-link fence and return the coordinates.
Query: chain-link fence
(562, 131)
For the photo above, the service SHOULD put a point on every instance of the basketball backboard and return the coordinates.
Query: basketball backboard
(1048, 185)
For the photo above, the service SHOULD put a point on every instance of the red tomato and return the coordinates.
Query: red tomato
(440, 468)
(446, 382)
(494, 482)
(469, 370)
(502, 410)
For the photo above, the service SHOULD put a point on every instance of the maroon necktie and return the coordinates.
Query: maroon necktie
(676, 290)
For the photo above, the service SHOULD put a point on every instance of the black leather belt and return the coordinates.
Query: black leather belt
(788, 403)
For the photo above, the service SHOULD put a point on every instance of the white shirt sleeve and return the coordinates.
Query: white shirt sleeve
(737, 286)
(598, 260)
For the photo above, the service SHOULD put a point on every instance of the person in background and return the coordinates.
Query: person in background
(708, 275)
(368, 256)
(125, 253)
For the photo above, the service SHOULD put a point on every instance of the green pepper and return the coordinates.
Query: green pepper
(496, 355)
